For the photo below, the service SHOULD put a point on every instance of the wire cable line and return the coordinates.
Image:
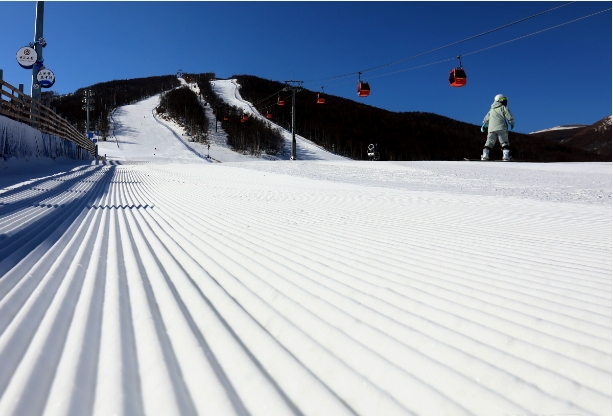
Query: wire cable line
(440, 61)
(442, 47)
(479, 50)
(268, 98)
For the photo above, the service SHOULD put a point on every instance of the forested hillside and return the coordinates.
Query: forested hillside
(350, 126)
(596, 138)
(340, 125)
(245, 134)
(108, 95)
(183, 106)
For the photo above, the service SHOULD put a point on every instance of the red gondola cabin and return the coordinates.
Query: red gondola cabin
(280, 101)
(457, 77)
(363, 89)
(268, 115)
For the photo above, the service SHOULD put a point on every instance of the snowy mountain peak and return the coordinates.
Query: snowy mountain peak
(567, 127)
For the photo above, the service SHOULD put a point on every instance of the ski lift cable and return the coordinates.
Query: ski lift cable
(441, 47)
(271, 105)
(464, 40)
(540, 31)
(272, 95)
(278, 93)
(477, 51)
(268, 98)
(254, 105)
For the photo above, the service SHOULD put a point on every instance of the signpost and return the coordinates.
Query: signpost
(373, 152)
(31, 57)
(38, 35)
(88, 94)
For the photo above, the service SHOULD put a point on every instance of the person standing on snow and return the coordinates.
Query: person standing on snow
(496, 122)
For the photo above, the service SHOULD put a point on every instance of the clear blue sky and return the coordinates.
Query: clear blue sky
(562, 76)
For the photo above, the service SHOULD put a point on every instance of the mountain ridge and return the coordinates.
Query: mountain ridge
(347, 127)
(343, 126)
(595, 138)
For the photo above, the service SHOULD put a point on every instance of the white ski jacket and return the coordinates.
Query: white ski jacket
(496, 118)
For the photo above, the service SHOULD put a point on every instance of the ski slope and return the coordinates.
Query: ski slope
(165, 283)
(138, 135)
(229, 91)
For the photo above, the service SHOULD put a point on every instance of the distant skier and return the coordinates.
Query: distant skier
(496, 122)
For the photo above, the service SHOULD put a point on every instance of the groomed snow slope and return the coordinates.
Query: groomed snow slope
(139, 135)
(316, 288)
(228, 90)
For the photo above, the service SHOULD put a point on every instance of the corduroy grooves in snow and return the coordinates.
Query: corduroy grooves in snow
(162, 283)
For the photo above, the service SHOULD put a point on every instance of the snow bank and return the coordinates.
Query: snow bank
(22, 141)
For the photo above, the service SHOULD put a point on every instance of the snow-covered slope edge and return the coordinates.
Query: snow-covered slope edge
(228, 90)
(570, 127)
(596, 138)
(18, 140)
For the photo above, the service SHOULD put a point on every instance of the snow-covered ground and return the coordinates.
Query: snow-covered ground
(229, 91)
(573, 126)
(162, 283)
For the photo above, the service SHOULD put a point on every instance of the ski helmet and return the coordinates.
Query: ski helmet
(500, 97)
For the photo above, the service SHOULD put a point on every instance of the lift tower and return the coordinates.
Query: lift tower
(293, 86)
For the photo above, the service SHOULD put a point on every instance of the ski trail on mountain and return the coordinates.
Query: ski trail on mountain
(173, 286)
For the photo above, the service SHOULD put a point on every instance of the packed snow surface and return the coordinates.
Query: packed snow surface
(165, 283)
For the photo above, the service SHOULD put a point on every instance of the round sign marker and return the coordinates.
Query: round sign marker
(45, 78)
(26, 57)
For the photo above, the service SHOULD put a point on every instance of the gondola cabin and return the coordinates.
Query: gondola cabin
(226, 118)
(320, 98)
(268, 115)
(457, 77)
(244, 118)
(280, 101)
(363, 89)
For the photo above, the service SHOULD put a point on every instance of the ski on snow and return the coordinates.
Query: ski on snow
(495, 160)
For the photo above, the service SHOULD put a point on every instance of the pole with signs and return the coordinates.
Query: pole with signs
(87, 106)
(38, 34)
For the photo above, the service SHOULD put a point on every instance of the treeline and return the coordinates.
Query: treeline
(107, 96)
(348, 127)
(245, 134)
(185, 107)
(340, 125)
(253, 136)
